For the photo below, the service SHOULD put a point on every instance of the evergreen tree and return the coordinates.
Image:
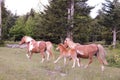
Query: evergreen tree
(0, 20)
(82, 21)
(55, 20)
(111, 18)
(8, 20)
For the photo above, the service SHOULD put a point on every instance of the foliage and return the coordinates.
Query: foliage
(17, 31)
(82, 20)
(54, 20)
(110, 17)
(8, 20)
(26, 25)
(114, 60)
(52, 24)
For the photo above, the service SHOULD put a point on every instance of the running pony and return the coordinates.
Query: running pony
(34, 46)
(88, 51)
(64, 52)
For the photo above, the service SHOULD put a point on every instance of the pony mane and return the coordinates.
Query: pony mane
(68, 39)
(28, 38)
(62, 45)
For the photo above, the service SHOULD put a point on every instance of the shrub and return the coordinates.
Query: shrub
(114, 60)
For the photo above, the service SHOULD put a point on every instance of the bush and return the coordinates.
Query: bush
(1, 43)
(114, 60)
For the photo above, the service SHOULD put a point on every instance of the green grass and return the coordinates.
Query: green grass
(14, 65)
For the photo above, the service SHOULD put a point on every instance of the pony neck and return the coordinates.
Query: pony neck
(62, 48)
(28, 39)
(71, 44)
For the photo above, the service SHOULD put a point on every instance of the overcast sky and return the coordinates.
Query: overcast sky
(23, 6)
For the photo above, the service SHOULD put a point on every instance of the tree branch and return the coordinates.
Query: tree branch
(118, 31)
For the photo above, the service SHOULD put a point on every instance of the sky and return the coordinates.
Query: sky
(97, 4)
(21, 7)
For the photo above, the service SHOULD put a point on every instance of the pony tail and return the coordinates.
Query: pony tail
(102, 54)
(49, 48)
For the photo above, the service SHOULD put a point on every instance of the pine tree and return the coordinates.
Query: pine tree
(82, 21)
(0, 19)
(54, 21)
(111, 18)
(59, 19)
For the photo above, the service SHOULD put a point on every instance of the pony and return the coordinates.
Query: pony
(64, 52)
(88, 51)
(34, 46)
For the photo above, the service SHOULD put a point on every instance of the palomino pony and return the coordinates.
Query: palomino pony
(34, 46)
(88, 51)
(64, 52)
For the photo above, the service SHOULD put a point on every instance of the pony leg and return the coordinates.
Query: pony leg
(27, 55)
(64, 60)
(100, 60)
(90, 61)
(78, 62)
(74, 60)
(43, 57)
(30, 55)
(48, 55)
(58, 59)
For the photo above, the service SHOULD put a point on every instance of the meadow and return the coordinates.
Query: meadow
(14, 65)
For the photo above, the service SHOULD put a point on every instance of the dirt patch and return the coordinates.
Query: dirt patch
(16, 46)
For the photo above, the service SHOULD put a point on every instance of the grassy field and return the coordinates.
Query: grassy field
(14, 65)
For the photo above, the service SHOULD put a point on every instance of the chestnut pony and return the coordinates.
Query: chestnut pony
(34, 46)
(64, 52)
(88, 51)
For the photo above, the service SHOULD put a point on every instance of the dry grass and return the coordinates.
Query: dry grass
(15, 66)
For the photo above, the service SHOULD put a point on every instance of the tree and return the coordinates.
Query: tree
(82, 21)
(8, 20)
(54, 20)
(26, 25)
(17, 31)
(111, 18)
(60, 17)
(0, 19)
(70, 18)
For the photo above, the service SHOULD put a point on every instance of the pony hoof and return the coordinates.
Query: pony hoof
(73, 66)
(86, 66)
(102, 68)
(55, 62)
(42, 61)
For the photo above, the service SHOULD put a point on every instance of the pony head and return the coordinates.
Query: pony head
(25, 39)
(58, 47)
(66, 42)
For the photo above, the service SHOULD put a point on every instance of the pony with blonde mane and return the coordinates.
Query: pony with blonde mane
(88, 51)
(64, 53)
(34, 46)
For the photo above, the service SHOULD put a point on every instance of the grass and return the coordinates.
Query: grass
(14, 65)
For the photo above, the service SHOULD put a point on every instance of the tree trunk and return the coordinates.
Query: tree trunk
(114, 37)
(0, 20)
(70, 18)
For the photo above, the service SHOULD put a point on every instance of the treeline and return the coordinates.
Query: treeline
(52, 24)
